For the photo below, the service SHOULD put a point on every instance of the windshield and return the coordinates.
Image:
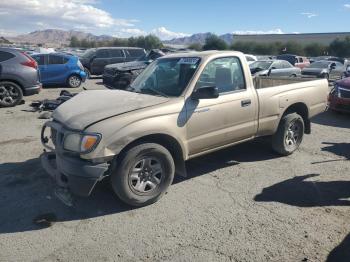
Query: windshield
(89, 53)
(261, 64)
(166, 77)
(320, 64)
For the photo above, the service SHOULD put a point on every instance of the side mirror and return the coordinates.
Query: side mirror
(206, 92)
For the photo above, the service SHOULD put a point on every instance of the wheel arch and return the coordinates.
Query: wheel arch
(169, 142)
(302, 110)
(16, 82)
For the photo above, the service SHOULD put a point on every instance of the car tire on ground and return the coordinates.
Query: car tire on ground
(289, 134)
(11, 94)
(142, 174)
(74, 81)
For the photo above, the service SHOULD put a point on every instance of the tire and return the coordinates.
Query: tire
(88, 74)
(74, 81)
(289, 134)
(11, 94)
(132, 176)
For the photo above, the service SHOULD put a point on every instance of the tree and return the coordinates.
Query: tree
(340, 48)
(315, 49)
(195, 46)
(74, 42)
(213, 42)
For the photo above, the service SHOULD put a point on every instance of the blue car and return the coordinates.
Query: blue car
(57, 68)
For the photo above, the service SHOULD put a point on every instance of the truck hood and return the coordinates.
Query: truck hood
(93, 106)
(127, 66)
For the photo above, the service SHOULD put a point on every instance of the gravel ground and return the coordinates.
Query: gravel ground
(241, 204)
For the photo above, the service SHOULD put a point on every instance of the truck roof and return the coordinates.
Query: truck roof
(203, 54)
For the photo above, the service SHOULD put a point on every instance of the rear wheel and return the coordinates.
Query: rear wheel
(143, 174)
(289, 134)
(11, 94)
(74, 81)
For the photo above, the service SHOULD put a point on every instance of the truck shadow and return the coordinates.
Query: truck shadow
(333, 119)
(298, 192)
(28, 203)
(341, 253)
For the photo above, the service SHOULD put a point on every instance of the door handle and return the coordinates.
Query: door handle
(245, 103)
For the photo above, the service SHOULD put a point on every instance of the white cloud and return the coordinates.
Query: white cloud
(258, 32)
(309, 15)
(166, 34)
(66, 14)
(133, 32)
(347, 6)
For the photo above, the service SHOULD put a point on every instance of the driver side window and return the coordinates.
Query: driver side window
(224, 73)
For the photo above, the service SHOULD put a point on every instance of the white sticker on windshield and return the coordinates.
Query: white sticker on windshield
(189, 60)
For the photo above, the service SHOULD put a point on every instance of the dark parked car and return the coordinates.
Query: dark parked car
(339, 98)
(274, 68)
(297, 61)
(57, 68)
(121, 75)
(19, 76)
(94, 60)
(331, 70)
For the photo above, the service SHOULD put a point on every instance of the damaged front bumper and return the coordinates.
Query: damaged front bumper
(77, 175)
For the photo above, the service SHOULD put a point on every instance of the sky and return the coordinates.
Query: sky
(178, 18)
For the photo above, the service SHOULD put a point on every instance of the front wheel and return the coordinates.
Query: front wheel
(74, 81)
(10, 94)
(143, 174)
(289, 134)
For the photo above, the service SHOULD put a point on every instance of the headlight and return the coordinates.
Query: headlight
(81, 143)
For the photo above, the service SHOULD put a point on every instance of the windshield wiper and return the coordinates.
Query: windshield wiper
(155, 91)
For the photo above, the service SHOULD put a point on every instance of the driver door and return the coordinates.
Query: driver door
(231, 117)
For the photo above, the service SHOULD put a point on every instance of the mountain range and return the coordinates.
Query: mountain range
(57, 37)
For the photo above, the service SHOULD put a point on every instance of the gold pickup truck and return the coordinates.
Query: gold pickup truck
(182, 106)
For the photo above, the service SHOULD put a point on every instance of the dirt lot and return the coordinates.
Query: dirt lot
(240, 204)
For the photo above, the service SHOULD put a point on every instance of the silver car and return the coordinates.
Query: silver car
(19, 76)
(278, 68)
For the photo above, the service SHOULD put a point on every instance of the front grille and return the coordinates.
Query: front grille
(56, 136)
(344, 93)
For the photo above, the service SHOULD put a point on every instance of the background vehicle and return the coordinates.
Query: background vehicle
(330, 70)
(18, 76)
(339, 98)
(297, 61)
(180, 107)
(94, 60)
(251, 59)
(121, 75)
(56, 68)
(274, 68)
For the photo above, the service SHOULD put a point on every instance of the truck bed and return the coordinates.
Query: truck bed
(266, 81)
